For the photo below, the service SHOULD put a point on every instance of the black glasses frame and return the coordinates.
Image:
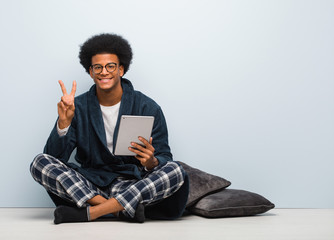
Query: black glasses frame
(92, 66)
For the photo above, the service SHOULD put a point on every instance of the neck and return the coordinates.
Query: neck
(109, 97)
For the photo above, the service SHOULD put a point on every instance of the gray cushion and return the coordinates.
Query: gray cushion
(202, 183)
(231, 203)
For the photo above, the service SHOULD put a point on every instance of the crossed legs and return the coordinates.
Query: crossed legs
(126, 197)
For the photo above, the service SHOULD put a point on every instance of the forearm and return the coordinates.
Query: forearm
(58, 146)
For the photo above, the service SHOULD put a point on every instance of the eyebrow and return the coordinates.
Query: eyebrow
(104, 65)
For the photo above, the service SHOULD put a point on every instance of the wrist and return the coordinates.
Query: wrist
(155, 163)
(62, 124)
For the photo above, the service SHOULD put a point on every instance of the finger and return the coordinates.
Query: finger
(67, 102)
(74, 88)
(62, 106)
(71, 107)
(147, 144)
(148, 149)
(140, 159)
(138, 146)
(139, 153)
(62, 86)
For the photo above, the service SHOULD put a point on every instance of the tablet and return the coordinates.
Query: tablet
(130, 128)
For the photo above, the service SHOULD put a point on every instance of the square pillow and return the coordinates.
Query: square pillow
(202, 183)
(231, 203)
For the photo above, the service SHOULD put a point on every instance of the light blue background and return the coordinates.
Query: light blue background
(247, 87)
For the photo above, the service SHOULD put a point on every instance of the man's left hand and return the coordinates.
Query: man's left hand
(145, 154)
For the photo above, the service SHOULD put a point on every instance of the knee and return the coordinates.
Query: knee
(38, 160)
(38, 164)
(177, 170)
(35, 165)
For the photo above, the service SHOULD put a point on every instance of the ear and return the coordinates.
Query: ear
(121, 70)
(91, 72)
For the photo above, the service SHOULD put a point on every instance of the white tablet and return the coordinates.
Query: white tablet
(130, 128)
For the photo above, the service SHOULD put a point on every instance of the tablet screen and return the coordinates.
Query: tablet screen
(130, 128)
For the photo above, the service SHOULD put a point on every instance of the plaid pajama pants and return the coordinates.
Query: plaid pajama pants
(70, 185)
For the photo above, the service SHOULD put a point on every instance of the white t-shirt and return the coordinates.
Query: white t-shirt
(109, 115)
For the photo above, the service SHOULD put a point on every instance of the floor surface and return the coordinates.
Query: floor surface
(37, 223)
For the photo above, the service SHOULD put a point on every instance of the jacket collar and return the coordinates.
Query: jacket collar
(95, 114)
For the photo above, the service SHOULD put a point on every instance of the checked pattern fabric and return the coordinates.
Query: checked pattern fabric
(65, 182)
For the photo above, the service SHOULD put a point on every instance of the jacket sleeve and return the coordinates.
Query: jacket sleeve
(61, 147)
(160, 139)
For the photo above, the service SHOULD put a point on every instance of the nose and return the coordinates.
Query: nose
(104, 71)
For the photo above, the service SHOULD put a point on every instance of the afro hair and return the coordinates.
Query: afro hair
(106, 43)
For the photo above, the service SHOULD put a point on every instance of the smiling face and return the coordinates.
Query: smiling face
(106, 81)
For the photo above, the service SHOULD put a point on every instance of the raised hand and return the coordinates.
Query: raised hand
(66, 106)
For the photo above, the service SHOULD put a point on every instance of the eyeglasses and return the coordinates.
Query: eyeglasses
(98, 68)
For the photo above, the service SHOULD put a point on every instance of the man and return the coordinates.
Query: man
(132, 188)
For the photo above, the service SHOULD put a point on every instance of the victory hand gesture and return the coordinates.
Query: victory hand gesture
(66, 106)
